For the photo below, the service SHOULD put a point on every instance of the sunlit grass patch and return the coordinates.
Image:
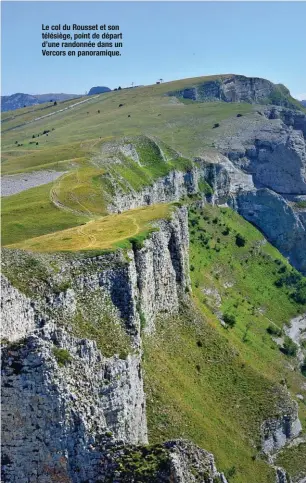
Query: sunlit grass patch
(102, 233)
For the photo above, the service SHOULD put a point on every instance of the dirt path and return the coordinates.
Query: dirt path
(93, 243)
(55, 201)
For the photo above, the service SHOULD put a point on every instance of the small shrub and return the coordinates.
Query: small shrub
(239, 115)
(142, 320)
(229, 473)
(137, 243)
(289, 347)
(274, 330)
(62, 356)
(199, 343)
(299, 295)
(240, 240)
(216, 125)
(229, 319)
(192, 268)
(62, 287)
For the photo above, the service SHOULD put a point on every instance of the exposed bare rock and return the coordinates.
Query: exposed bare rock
(237, 88)
(278, 432)
(281, 476)
(17, 313)
(60, 399)
(276, 219)
(15, 183)
(178, 461)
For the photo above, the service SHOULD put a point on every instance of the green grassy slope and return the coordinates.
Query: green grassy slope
(88, 186)
(103, 233)
(31, 213)
(216, 385)
(182, 126)
(76, 137)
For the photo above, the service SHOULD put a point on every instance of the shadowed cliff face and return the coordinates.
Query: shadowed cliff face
(278, 221)
(274, 154)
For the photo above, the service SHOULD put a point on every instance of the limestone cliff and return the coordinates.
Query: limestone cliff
(66, 407)
(258, 168)
(237, 88)
(275, 217)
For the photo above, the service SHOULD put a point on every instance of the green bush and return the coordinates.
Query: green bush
(289, 347)
(142, 320)
(62, 356)
(229, 319)
(240, 240)
(274, 330)
(230, 472)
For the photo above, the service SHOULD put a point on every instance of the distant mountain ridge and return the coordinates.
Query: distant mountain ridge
(18, 100)
(303, 103)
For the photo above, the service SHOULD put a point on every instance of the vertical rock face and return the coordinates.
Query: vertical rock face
(63, 402)
(162, 267)
(275, 217)
(172, 187)
(17, 313)
(236, 88)
(272, 151)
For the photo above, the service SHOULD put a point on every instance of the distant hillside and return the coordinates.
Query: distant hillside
(303, 103)
(16, 101)
(98, 90)
(237, 88)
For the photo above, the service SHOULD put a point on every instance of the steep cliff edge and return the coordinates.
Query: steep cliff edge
(65, 405)
(74, 407)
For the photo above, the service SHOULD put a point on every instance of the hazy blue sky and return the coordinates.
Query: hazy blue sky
(171, 40)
